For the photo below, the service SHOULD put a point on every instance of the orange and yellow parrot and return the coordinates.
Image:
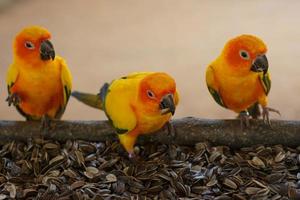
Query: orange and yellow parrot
(239, 79)
(39, 83)
(139, 103)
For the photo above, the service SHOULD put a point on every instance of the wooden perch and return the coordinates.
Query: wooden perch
(188, 131)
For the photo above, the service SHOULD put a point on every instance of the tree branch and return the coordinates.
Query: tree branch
(188, 131)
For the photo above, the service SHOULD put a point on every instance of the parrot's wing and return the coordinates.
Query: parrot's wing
(118, 105)
(11, 76)
(265, 81)
(66, 79)
(103, 92)
(213, 86)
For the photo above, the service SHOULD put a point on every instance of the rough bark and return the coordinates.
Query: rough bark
(188, 131)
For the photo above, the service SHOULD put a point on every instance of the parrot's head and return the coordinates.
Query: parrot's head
(33, 45)
(246, 53)
(158, 95)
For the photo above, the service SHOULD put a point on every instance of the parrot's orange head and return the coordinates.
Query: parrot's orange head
(32, 45)
(245, 53)
(158, 94)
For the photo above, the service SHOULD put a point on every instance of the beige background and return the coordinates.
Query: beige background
(105, 39)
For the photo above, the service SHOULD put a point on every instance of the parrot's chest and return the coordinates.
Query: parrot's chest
(238, 93)
(40, 90)
(39, 83)
(150, 124)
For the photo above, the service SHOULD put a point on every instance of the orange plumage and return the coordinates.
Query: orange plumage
(239, 77)
(140, 103)
(39, 83)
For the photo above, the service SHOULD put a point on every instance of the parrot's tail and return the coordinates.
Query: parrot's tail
(89, 99)
(254, 111)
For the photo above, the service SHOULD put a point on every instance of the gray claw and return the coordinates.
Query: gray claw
(13, 99)
(171, 130)
(244, 117)
(131, 155)
(45, 125)
(266, 114)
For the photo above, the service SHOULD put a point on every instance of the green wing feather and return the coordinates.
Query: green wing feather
(216, 96)
(265, 81)
(213, 86)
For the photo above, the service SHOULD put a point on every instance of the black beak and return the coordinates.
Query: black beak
(47, 50)
(260, 64)
(167, 104)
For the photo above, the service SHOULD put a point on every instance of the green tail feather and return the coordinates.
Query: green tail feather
(89, 99)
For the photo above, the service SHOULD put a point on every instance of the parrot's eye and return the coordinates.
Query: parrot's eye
(244, 54)
(29, 45)
(150, 94)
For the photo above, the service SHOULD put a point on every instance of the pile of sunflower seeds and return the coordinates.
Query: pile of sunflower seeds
(78, 170)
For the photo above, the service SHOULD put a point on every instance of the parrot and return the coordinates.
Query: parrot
(139, 103)
(239, 80)
(39, 83)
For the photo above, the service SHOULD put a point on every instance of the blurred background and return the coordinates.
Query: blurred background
(105, 39)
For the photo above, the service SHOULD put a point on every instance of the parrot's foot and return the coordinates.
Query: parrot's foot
(171, 130)
(13, 99)
(244, 117)
(45, 125)
(131, 155)
(266, 114)
(133, 158)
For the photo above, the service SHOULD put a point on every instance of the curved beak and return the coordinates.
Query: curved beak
(167, 104)
(47, 50)
(260, 64)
